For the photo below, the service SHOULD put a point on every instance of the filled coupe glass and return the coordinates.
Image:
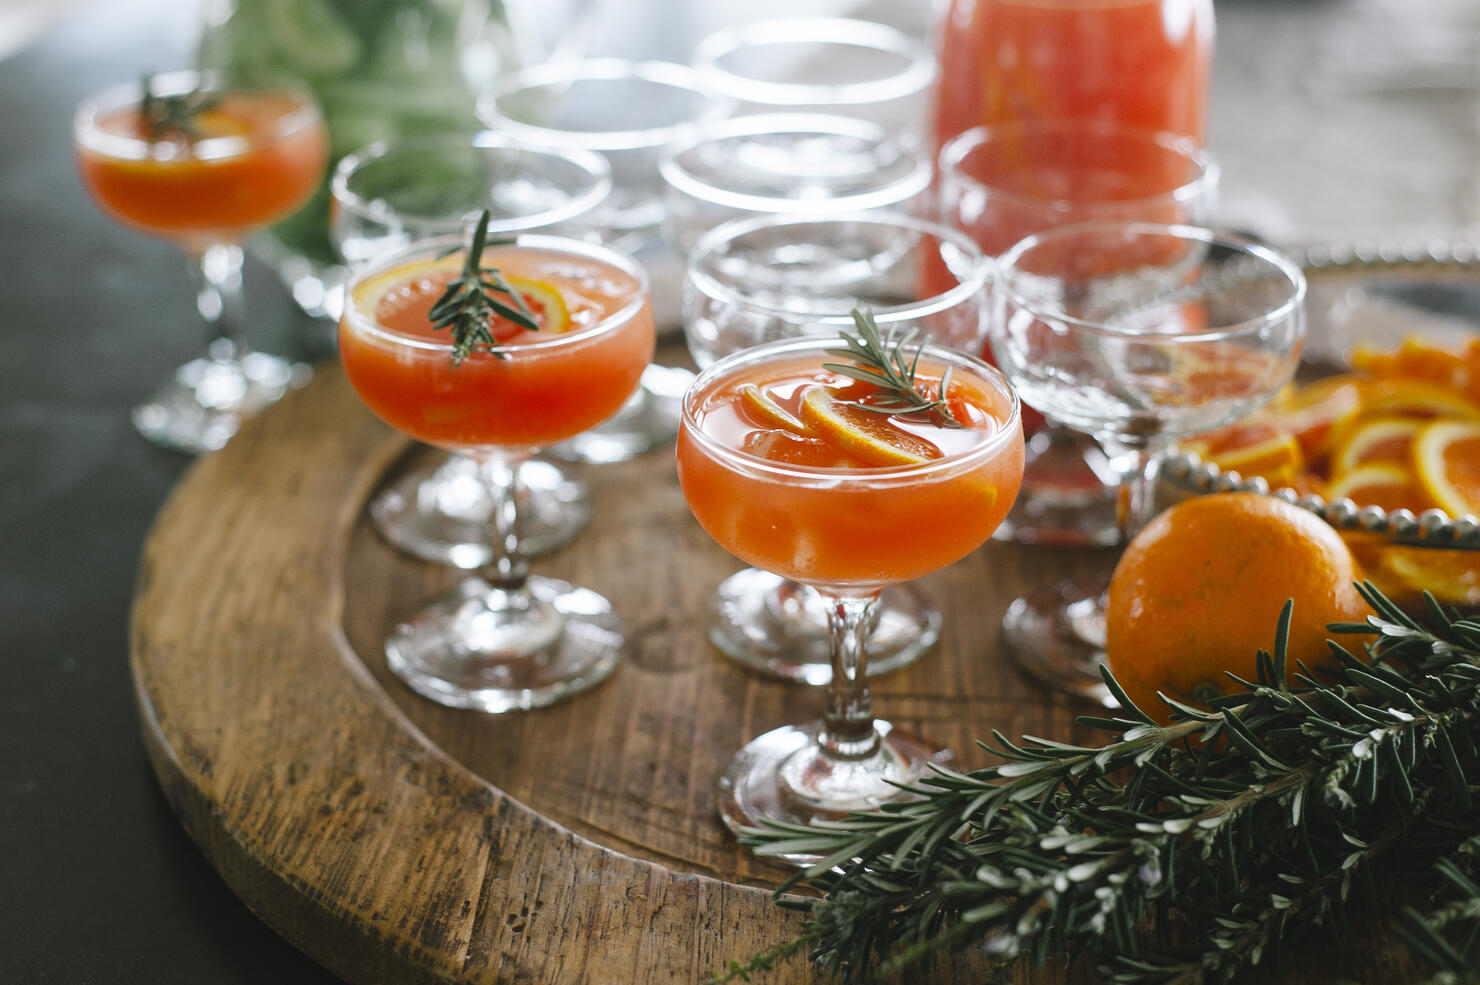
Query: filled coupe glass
(202, 163)
(502, 640)
(792, 461)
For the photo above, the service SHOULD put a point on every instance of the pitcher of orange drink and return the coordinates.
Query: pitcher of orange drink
(1140, 64)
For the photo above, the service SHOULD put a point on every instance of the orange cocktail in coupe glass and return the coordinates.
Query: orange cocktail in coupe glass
(203, 163)
(502, 640)
(782, 468)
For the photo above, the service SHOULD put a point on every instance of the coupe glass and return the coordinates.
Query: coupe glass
(775, 277)
(1140, 335)
(847, 531)
(629, 112)
(391, 194)
(802, 164)
(502, 640)
(256, 155)
(1004, 182)
(821, 64)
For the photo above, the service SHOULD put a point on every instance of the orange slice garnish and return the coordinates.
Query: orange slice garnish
(862, 434)
(764, 408)
(1446, 456)
(1376, 440)
(1384, 485)
(385, 293)
(1416, 398)
(1252, 447)
(1317, 413)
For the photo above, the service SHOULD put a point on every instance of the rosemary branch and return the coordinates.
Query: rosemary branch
(1257, 834)
(880, 359)
(173, 117)
(472, 299)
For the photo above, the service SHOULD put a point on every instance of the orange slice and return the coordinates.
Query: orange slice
(1384, 484)
(1416, 398)
(1319, 412)
(1404, 573)
(1255, 446)
(386, 292)
(1446, 455)
(764, 408)
(1376, 440)
(1416, 358)
(863, 434)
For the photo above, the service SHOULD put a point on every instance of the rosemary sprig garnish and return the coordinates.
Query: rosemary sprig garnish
(173, 116)
(1179, 863)
(474, 297)
(881, 360)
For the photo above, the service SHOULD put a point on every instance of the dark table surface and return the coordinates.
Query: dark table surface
(1334, 120)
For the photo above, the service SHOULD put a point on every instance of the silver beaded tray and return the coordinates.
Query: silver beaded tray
(1377, 294)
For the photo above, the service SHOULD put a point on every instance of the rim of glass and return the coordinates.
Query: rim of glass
(1291, 271)
(955, 151)
(901, 189)
(734, 229)
(434, 248)
(569, 73)
(87, 133)
(844, 32)
(781, 348)
(590, 162)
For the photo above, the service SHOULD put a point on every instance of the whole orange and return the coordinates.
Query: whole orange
(1198, 593)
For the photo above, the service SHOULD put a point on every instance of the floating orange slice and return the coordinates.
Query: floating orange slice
(862, 434)
(1376, 440)
(1319, 412)
(1255, 446)
(390, 291)
(1416, 358)
(1446, 455)
(1384, 484)
(764, 408)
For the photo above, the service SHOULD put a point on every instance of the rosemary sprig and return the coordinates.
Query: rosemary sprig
(881, 360)
(1257, 835)
(172, 117)
(472, 299)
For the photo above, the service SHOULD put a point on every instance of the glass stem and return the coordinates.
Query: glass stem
(509, 569)
(1138, 466)
(848, 724)
(218, 298)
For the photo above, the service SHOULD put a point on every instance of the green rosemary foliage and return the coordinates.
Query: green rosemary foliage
(172, 117)
(474, 297)
(881, 360)
(1226, 847)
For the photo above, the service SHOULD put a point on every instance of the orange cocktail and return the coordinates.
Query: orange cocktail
(253, 157)
(536, 388)
(811, 509)
(202, 163)
(502, 640)
(790, 465)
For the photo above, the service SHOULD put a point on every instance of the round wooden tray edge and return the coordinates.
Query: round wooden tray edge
(442, 935)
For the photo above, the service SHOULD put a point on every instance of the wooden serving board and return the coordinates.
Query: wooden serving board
(394, 840)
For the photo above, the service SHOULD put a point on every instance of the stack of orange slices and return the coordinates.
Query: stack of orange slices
(1400, 431)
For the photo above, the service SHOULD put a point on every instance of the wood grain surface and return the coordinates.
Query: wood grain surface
(398, 841)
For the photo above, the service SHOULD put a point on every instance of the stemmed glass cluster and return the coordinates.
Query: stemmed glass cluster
(844, 295)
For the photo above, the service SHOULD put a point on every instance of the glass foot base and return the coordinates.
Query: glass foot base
(205, 403)
(1057, 635)
(648, 420)
(465, 651)
(442, 512)
(779, 627)
(1068, 496)
(782, 776)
